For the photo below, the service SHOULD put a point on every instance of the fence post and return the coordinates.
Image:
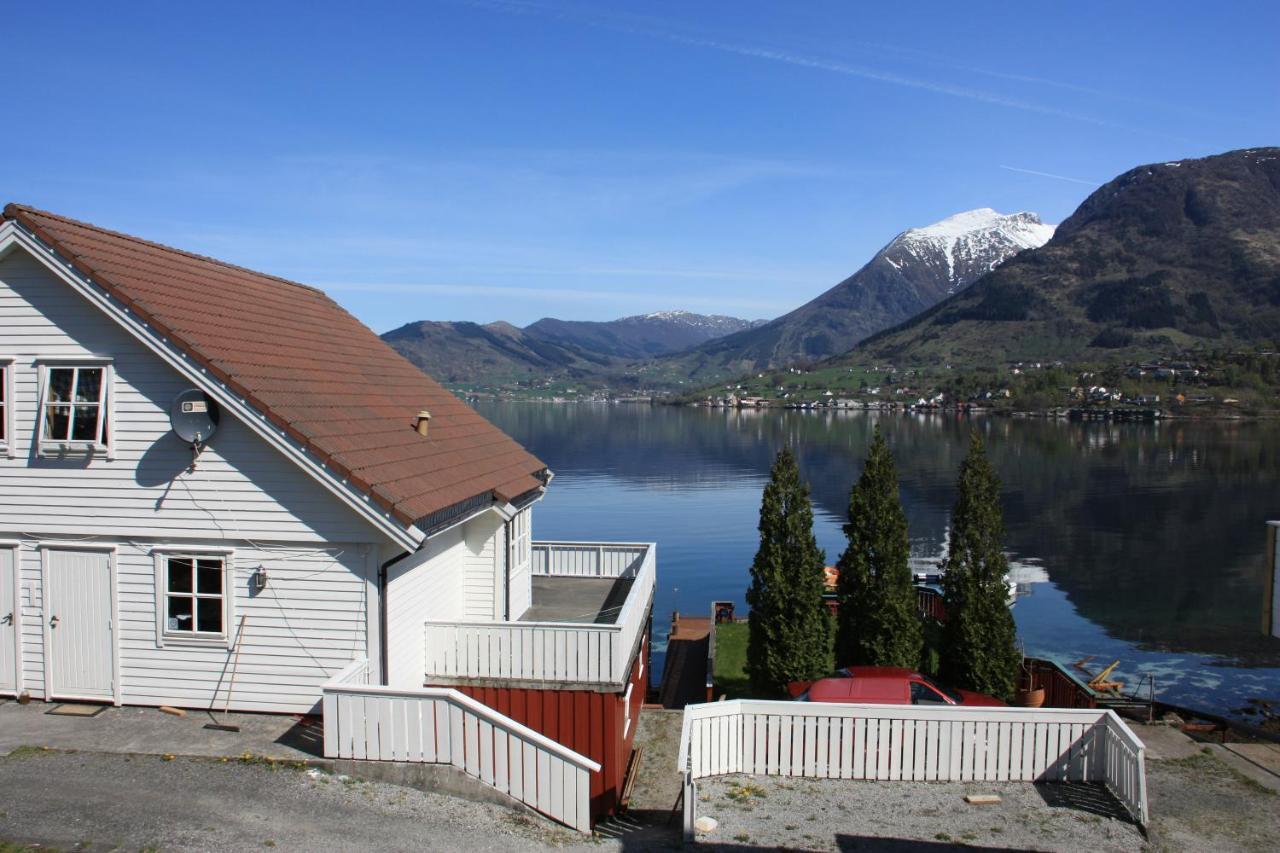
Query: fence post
(689, 793)
(330, 705)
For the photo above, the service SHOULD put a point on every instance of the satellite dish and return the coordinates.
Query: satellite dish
(194, 416)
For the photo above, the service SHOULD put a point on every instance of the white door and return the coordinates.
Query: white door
(8, 623)
(77, 614)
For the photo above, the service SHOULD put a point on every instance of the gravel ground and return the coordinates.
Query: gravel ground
(94, 801)
(826, 814)
(1201, 803)
(1197, 802)
(657, 781)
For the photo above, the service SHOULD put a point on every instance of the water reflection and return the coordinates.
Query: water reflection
(1151, 535)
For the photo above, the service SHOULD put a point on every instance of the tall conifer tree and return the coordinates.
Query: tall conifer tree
(980, 639)
(790, 629)
(878, 624)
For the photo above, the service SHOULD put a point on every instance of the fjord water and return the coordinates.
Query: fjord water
(1138, 542)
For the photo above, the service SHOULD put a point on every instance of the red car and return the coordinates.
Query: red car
(885, 685)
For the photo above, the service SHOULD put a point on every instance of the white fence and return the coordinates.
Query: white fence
(559, 652)
(589, 559)
(442, 726)
(912, 743)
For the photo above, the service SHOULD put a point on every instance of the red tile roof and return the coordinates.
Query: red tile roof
(313, 369)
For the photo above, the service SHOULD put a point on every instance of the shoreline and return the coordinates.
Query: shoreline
(1062, 414)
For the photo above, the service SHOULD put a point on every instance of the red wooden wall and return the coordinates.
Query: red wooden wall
(590, 723)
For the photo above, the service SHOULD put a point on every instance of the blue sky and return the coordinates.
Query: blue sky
(512, 160)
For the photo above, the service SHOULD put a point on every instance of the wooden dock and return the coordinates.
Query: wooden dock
(684, 676)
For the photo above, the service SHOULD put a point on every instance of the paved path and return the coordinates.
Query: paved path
(96, 801)
(148, 731)
(135, 778)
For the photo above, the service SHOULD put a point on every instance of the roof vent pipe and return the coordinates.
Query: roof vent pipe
(422, 422)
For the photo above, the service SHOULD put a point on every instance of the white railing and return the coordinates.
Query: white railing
(589, 559)
(1125, 766)
(911, 743)
(439, 725)
(559, 652)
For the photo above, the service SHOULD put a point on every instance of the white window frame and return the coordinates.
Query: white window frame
(7, 444)
(521, 540)
(106, 420)
(166, 637)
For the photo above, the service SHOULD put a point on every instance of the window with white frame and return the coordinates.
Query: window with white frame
(73, 408)
(193, 596)
(520, 539)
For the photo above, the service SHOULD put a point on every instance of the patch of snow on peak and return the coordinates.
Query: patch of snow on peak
(975, 240)
(959, 224)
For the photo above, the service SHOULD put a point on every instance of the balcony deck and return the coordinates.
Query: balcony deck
(577, 600)
(590, 608)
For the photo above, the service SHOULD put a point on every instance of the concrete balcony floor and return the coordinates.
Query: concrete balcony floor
(557, 598)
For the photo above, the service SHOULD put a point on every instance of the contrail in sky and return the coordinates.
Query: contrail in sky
(1051, 175)
(782, 56)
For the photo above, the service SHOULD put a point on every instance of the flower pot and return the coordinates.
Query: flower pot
(1030, 698)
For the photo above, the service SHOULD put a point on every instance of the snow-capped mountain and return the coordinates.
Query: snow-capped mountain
(915, 271)
(1180, 251)
(967, 245)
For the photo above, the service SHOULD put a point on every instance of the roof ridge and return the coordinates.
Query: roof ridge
(26, 208)
(341, 418)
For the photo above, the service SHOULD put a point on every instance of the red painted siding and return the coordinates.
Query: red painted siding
(590, 723)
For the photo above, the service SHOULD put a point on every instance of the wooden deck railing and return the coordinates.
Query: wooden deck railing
(590, 559)
(439, 725)
(559, 652)
(911, 743)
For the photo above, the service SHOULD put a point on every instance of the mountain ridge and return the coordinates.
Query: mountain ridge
(578, 350)
(1165, 257)
(914, 271)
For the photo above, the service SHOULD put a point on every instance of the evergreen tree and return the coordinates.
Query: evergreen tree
(878, 624)
(980, 649)
(790, 629)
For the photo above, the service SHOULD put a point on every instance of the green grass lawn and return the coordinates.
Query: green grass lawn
(731, 661)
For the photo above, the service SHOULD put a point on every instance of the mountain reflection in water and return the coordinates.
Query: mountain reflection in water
(1151, 535)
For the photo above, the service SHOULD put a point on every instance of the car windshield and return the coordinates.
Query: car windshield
(953, 695)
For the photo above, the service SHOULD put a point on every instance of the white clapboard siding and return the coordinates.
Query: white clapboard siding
(914, 743)
(443, 726)
(481, 569)
(305, 626)
(241, 489)
(549, 651)
(427, 584)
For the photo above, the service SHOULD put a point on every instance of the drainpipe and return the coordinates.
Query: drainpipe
(506, 571)
(382, 614)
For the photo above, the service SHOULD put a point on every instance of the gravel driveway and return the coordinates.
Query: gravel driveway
(94, 801)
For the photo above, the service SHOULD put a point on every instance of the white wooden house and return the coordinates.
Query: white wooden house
(348, 511)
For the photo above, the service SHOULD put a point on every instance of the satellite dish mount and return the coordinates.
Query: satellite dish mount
(194, 417)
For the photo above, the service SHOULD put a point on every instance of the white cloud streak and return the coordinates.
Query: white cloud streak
(1084, 181)
(784, 56)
